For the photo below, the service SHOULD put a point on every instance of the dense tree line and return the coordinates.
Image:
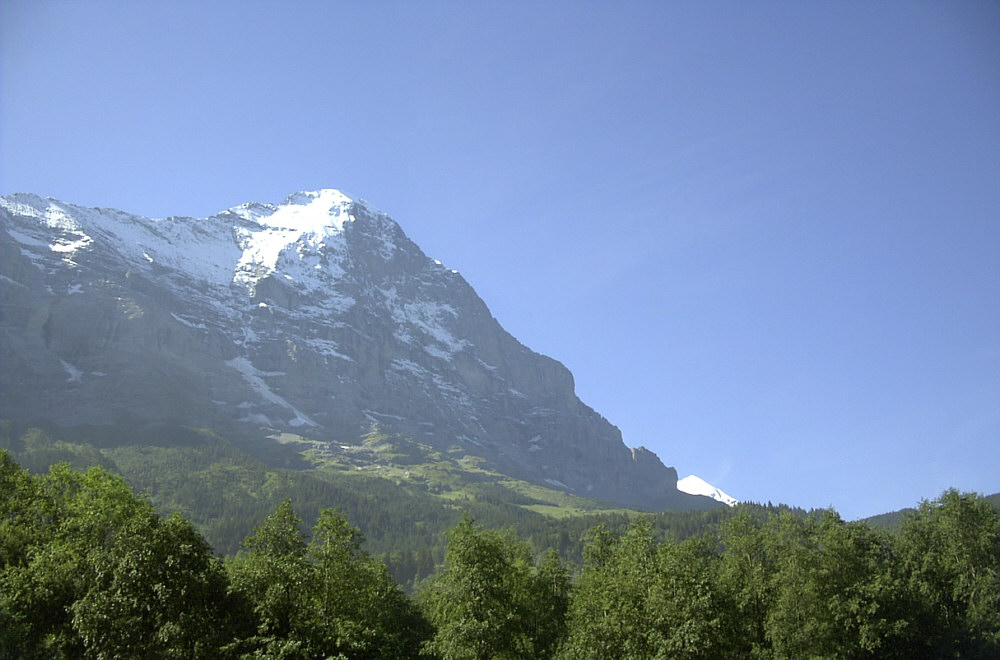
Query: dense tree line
(89, 569)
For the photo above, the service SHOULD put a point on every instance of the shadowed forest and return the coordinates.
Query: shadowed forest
(90, 569)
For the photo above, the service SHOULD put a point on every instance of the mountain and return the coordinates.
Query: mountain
(314, 326)
(698, 486)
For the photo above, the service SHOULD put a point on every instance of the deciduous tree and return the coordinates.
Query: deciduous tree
(488, 603)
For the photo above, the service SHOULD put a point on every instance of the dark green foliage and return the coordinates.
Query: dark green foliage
(638, 598)
(808, 587)
(159, 590)
(90, 570)
(87, 569)
(325, 598)
(489, 601)
(269, 579)
(358, 605)
(894, 519)
(550, 589)
(787, 586)
(949, 551)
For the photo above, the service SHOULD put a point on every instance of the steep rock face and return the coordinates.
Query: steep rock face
(317, 316)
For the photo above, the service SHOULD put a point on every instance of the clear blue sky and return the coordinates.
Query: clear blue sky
(765, 237)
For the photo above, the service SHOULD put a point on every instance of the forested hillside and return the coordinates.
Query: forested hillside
(225, 491)
(89, 569)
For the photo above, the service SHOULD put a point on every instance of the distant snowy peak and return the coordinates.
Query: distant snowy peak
(697, 486)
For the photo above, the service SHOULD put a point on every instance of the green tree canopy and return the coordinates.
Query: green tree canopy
(489, 602)
(90, 570)
(639, 598)
(323, 598)
(949, 550)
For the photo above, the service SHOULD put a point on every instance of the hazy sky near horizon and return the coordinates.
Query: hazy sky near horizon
(764, 236)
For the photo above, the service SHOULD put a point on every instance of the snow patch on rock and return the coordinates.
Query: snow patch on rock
(255, 379)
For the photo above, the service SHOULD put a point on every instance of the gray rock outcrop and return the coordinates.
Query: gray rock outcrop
(317, 316)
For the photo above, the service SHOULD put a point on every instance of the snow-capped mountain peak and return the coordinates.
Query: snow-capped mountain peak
(316, 316)
(316, 211)
(694, 485)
